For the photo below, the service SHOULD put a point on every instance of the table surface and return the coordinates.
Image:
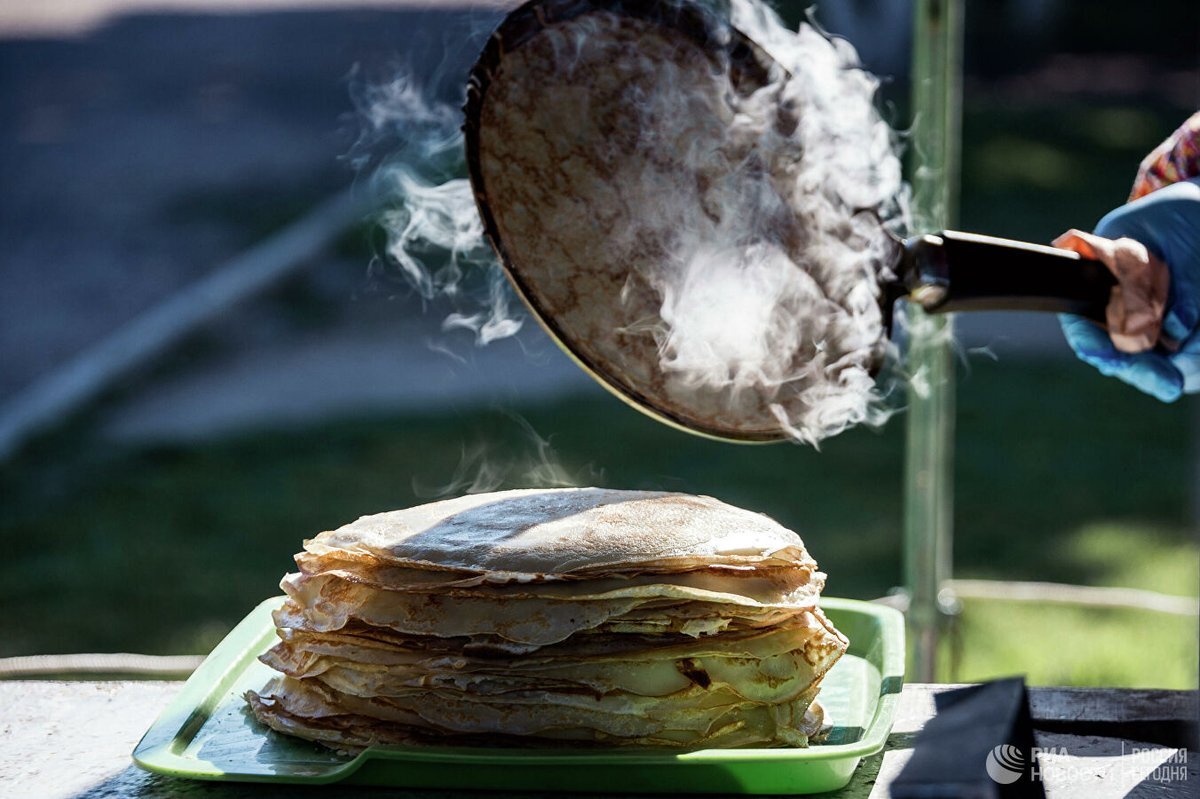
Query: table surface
(73, 739)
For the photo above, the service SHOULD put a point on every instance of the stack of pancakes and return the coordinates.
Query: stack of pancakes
(539, 617)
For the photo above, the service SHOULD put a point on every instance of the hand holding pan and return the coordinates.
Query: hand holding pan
(618, 149)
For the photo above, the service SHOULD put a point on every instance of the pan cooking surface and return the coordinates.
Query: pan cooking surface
(648, 176)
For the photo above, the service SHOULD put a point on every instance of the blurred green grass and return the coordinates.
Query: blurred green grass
(1031, 168)
(1062, 645)
(1062, 475)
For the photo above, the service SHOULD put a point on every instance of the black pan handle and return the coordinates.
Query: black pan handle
(954, 271)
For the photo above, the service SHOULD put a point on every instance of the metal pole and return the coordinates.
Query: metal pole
(929, 458)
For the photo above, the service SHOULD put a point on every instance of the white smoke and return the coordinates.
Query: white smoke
(528, 462)
(745, 308)
(435, 238)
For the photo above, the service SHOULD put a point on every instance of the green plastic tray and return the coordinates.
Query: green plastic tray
(206, 733)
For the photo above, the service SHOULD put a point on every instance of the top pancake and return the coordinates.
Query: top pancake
(538, 534)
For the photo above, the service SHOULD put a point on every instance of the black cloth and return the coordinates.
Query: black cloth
(979, 745)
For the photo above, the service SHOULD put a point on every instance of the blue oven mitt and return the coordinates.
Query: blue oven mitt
(1167, 221)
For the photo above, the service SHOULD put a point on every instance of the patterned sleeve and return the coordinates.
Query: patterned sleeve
(1177, 158)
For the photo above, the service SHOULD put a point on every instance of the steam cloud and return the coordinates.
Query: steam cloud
(787, 310)
(435, 241)
(531, 463)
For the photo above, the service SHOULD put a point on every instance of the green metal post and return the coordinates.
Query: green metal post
(929, 458)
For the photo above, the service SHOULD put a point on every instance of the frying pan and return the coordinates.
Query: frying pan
(578, 172)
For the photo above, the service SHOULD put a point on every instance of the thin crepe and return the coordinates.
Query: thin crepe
(543, 614)
(534, 534)
(772, 666)
(312, 710)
